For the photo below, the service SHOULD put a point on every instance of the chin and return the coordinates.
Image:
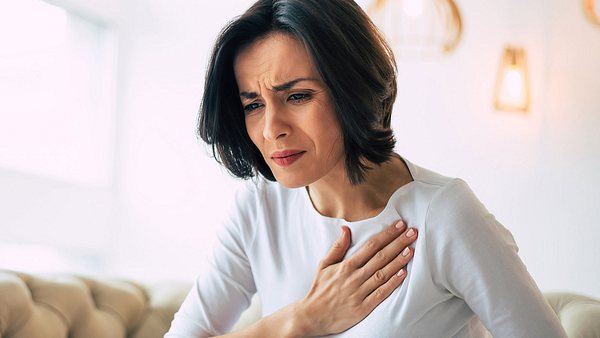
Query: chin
(292, 181)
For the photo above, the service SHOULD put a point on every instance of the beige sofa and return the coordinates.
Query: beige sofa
(79, 307)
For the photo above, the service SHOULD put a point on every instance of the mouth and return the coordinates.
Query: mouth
(287, 157)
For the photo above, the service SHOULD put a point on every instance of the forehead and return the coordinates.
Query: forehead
(271, 60)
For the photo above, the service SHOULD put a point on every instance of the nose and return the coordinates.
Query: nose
(275, 125)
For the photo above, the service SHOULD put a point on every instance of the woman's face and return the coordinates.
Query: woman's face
(288, 110)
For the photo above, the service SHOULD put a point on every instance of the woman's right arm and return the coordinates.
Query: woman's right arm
(343, 292)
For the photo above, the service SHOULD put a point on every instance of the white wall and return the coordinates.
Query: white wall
(538, 173)
(173, 194)
(57, 197)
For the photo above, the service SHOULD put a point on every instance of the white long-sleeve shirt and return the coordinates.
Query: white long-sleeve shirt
(465, 275)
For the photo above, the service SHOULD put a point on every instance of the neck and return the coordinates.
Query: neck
(335, 196)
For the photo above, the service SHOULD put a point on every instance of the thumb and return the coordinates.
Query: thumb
(338, 249)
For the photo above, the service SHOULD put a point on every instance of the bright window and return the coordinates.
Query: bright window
(57, 75)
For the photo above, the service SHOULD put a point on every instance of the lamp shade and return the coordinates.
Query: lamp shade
(418, 26)
(512, 85)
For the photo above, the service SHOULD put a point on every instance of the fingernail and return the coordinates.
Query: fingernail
(399, 224)
(405, 251)
(410, 233)
(401, 273)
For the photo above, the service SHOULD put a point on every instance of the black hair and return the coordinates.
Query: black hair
(352, 58)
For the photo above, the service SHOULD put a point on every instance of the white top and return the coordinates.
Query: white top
(465, 272)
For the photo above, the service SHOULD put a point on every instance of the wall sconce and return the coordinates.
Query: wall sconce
(418, 25)
(512, 85)
(592, 12)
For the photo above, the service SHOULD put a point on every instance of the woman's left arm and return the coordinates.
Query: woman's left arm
(475, 257)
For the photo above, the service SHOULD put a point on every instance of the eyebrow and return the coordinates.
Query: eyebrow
(278, 88)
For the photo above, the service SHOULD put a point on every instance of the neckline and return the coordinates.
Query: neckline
(389, 207)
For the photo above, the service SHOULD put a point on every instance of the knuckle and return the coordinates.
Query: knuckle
(380, 276)
(346, 266)
(362, 274)
(346, 284)
(378, 294)
(391, 231)
(356, 301)
(371, 244)
(351, 281)
(380, 256)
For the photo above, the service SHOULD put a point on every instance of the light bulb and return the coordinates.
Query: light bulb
(512, 86)
(514, 83)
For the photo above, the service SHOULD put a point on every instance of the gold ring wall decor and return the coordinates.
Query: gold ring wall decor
(429, 26)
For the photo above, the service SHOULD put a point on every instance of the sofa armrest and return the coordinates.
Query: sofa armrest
(579, 315)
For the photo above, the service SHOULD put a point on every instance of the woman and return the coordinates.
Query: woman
(299, 93)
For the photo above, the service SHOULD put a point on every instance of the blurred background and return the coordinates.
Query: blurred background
(101, 172)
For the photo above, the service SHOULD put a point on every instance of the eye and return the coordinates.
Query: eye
(299, 97)
(251, 107)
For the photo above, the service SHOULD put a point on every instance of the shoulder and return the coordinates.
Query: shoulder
(453, 209)
(455, 199)
(428, 177)
(446, 196)
(457, 221)
(440, 194)
(455, 212)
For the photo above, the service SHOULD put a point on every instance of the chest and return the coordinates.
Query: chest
(289, 246)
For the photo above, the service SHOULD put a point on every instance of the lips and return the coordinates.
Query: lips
(286, 158)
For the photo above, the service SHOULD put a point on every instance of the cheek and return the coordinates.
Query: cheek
(328, 123)
(329, 142)
(337, 143)
(331, 131)
(254, 131)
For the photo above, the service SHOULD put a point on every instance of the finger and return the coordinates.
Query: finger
(384, 291)
(383, 275)
(338, 249)
(391, 252)
(375, 243)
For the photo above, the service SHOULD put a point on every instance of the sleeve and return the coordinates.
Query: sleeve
(475, 258)
(221, 294)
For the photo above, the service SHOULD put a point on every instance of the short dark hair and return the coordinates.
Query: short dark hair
(351, 56)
